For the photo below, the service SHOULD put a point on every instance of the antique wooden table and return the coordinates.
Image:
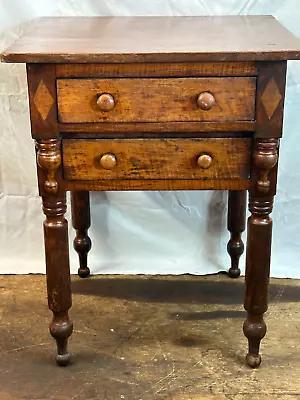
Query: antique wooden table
(164, 103)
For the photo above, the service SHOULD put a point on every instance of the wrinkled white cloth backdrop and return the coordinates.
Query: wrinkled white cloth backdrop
(138, 232)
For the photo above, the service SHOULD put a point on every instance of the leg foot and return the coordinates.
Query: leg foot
(253, 361)
(81, 222)
(255, 330)
(63, 359)
(61, 329)
(236, 225)
(84, 272)
(234, 273)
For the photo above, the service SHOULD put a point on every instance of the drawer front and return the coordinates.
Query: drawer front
(156, 100)
(102, 159)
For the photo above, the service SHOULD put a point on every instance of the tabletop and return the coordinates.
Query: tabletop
(151, 39)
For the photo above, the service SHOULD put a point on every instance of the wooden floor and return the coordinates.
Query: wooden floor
(148, 338)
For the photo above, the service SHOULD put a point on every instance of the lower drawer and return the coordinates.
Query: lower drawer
(99, 159)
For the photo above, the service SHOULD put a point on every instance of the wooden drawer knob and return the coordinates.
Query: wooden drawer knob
(204, 161)
(205, 101)
(106, 102)
(108, 161)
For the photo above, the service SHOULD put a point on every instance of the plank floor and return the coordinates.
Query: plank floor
(148, 338)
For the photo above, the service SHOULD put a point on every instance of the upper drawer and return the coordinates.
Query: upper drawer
(156, 100)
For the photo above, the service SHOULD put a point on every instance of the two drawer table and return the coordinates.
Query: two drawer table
(164, 103)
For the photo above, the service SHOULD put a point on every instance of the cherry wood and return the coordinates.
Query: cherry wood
(209, 128)
(236, 225)
(270, 99)
(42, 101)
(257, 274)
(157, 103)
(49, 159)
(159, 184)
(149, 39)
(258, 254)
(81, 221)
(154, 135)
(136, 100)
(265, 158)
(151, 70)
(156, 159)
(58, 273)
(48, 154)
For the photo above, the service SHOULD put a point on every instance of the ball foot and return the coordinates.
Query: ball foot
(253, 360)
(63, 359)
(234, 273)
(83, 272)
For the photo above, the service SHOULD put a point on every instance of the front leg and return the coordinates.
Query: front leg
(56, 244)
(58, 273)
(259, 245)
(257, 274)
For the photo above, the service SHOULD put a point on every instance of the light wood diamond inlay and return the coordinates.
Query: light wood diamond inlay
(43, 100)
(271, 98)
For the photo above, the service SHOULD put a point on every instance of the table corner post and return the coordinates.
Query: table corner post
(259, 239)
(56, 244)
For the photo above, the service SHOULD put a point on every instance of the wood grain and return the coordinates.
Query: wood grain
(58, 273)
(270, 99)
(138, 128)
(42, 101)
(157, 184)
(133, 70)
(156, 159)
(156, 100)
(152, 39)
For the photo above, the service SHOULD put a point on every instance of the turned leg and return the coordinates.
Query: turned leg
(259, 239)
(58, 273)
(81, 221)
(257, 274)
(236, 225)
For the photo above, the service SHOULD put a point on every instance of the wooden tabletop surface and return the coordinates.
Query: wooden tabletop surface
(130, 39)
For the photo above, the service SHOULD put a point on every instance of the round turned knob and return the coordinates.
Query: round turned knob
(105, 102)
(108, 161)
(204, 161)
(205, 101)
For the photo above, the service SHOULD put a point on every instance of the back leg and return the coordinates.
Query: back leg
(81, 221)
(236, 225)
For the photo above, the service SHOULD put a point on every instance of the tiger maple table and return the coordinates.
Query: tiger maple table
(165, 103)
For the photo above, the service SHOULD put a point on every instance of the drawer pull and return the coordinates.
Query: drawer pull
(106, 102)
(205, 101)
(108, 161)
(204, 161)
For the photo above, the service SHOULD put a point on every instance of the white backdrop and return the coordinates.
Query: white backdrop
(138, 232)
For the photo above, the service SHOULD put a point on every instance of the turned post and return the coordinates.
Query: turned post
(259, 245)
(56, 246)
(236, 225)
(81, 221)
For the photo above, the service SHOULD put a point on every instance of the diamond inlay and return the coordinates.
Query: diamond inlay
(271, 98)
(43, 100)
